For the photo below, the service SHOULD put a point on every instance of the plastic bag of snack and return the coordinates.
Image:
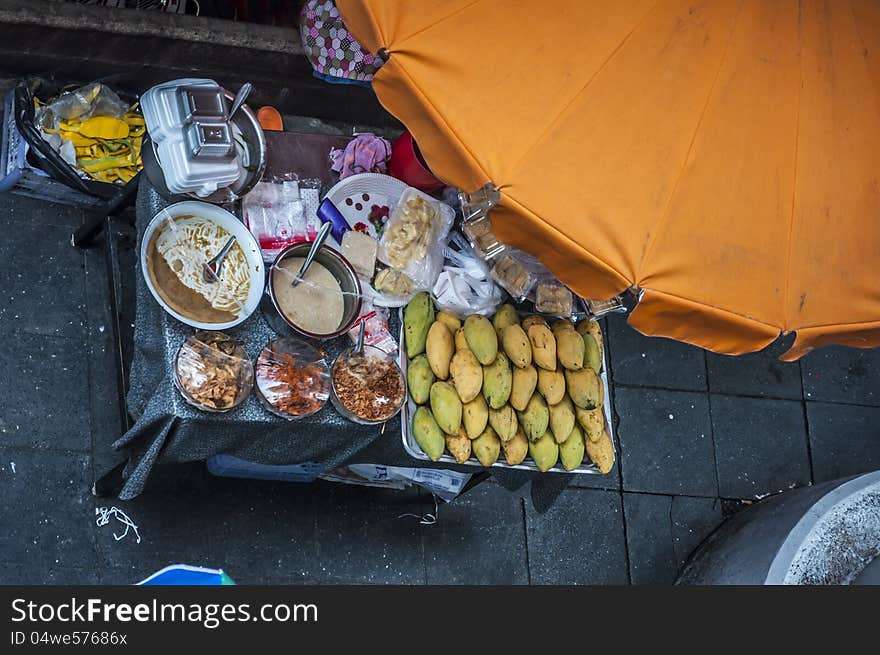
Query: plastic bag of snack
(293, 379)
(376, 331)
(414, 236)
(212, 371)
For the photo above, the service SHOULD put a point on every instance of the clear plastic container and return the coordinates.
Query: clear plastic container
(368, 388)
(293, 380)
(212, 371)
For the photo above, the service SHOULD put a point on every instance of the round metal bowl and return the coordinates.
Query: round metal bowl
(340, 268)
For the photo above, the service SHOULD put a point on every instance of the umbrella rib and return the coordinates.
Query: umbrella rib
(432, 25)
(523, 208)
(583, 88)
(431, 104)
(667, 208)
(787, 288)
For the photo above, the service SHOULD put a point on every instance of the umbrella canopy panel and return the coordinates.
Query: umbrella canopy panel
(723, 155)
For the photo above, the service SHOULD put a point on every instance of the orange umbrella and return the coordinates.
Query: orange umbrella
(721, 155)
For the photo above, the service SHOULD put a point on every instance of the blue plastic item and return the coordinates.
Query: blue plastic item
(228, 466)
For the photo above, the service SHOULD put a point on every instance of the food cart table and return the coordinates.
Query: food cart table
(167, 429)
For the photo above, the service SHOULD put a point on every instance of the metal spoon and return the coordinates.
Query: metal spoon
(316, 246)
(359, 349)
(211, 272)
(240, 97)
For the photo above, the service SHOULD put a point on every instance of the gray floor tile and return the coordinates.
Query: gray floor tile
(479, 538)
(653, 361)
(47, 514)
(760, 446)
(693, 519)
(43, 288)
(756, 374)
(45, 393)
(666, 442)
(662, 531)
(580, 540)
(249, 528)
(649, 539)
(842, 375)
(844, 440)
(24, 574)
(361, 537)
(21, 209)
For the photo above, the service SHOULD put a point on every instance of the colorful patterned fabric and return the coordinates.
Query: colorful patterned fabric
(333, 52)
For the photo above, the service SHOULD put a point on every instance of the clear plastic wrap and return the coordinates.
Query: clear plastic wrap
(376, 332)
(293, 379)
(282, 211)
(212, 371)
(414, 236)
(93, 99)
(368, 387)
(464, 286)
(554, 298)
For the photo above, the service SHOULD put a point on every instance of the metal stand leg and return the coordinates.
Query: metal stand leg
(84, 236)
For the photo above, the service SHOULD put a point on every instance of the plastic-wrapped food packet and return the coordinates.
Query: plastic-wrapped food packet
(212, 371)
(551, 297)
(281, 212)
(376, 331)
(414, 236)
(293, 379)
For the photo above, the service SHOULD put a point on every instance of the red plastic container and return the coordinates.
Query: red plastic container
(408, 166)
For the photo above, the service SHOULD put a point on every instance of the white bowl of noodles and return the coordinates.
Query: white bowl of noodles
(177, 244)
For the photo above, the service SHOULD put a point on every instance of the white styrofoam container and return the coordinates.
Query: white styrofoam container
(166, 124)
(413, 448)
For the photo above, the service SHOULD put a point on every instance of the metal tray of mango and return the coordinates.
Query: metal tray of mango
(107, 149)
(511, 391)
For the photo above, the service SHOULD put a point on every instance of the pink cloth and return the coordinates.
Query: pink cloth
(366, 153)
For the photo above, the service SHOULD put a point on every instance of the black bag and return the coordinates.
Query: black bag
(44, 157)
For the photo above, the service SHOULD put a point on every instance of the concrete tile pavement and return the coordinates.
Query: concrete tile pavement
(777, 424)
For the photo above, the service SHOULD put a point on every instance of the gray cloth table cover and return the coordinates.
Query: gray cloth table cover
(167, 429)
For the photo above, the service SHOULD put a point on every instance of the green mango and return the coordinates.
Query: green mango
(481, 338)
(497, 381)
(506, 315)
(428, 434)
(570, 349)
(551, 385)
(487, 447)
(544, 452)
(475, 416)
(504, 422)
(592, 354)
(419, 378)
(525, 380)
(535, 418)
(516, 345)
(417, 319)
(571, 451)
(562, 419)
(584, 387)
(446, 407)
